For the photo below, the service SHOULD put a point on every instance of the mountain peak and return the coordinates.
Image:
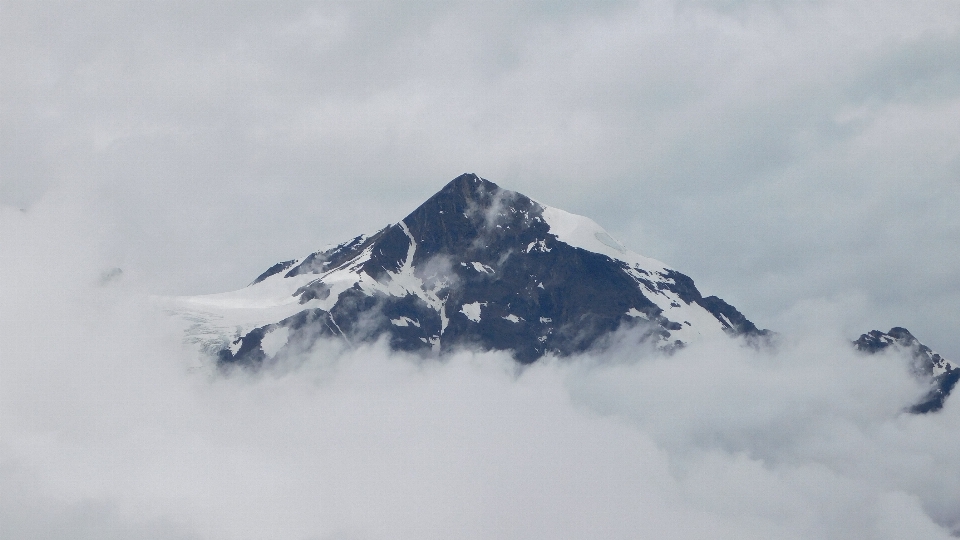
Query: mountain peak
(927, 364)
(875, 340)
(460, 191)
(474, 266)
(468, 182)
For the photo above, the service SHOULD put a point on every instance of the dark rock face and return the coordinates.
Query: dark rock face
(275, 269)
(489, 274)
(322, 261)
(942, 374)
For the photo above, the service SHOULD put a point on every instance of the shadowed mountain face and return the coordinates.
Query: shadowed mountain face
(479, 266)
(926, 364)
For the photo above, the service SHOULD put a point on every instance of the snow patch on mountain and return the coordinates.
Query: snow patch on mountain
(405, 321)
(482, 268)
(274, 340)
(583, 232)
(472, 310)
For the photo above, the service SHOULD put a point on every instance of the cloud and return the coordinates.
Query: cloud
(113, 428)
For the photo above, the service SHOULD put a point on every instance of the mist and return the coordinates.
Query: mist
(112, 427)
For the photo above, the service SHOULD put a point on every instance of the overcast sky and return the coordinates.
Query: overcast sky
(799, 159)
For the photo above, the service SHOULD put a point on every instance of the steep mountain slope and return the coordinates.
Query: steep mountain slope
(474, 266)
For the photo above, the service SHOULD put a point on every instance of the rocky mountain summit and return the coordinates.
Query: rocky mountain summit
(480, 267)
(927, 364)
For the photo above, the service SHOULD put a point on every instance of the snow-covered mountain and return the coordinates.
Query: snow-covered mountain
(483, 267)
(475, 265)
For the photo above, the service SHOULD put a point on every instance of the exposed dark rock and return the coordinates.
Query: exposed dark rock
(323, 261)
(733, 321)
(275, 269)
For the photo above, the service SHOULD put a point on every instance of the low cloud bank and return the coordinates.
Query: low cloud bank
(112, 428)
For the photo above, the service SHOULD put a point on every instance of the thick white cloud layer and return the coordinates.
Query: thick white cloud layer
(112, 429)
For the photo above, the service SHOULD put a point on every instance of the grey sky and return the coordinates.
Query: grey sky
(792, 157)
